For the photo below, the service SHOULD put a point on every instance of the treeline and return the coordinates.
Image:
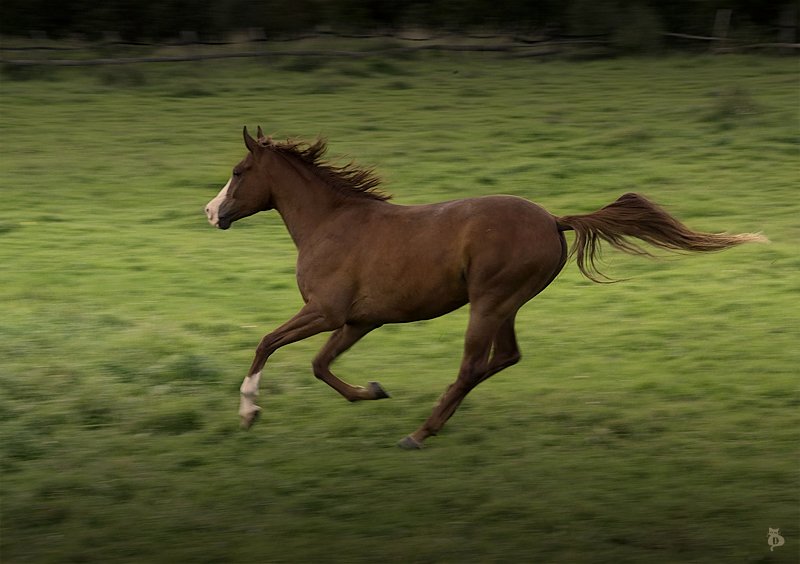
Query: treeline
(628, 20)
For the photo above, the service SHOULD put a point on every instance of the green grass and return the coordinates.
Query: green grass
(655, 420)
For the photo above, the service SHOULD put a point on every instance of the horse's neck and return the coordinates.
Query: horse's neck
(303, 201)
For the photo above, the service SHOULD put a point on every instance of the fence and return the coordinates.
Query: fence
(192, 48)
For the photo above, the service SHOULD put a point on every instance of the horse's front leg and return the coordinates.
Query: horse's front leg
(309, 321)
(341, 340)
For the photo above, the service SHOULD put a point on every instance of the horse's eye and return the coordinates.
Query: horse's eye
(237, 172)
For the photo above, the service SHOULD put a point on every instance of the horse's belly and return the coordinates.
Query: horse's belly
(409, 291)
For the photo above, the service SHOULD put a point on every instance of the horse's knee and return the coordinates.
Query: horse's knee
(319, 367)
(263, 348)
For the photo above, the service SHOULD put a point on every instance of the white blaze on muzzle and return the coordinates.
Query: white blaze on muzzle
(212, 209)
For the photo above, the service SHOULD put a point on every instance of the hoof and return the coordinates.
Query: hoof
(409, 443)
(377, 391)
(248, 419)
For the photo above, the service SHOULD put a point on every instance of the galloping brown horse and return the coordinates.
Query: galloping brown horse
(363, 262)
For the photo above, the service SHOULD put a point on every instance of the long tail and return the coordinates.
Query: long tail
(633, 215)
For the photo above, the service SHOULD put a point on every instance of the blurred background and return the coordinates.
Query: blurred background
(654, 420)
(633, 24)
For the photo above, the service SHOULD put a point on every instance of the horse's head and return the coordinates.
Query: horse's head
(247, 191)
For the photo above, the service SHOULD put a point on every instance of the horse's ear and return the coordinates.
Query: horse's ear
(259, 134)
(249, 142)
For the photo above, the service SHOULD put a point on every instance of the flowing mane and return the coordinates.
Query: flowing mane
(349, 179)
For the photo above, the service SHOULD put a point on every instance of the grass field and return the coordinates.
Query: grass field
(655, 420)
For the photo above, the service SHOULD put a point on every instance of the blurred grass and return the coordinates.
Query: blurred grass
(652, 420)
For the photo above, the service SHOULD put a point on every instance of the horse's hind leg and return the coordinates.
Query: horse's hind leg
(341, 340)
(483, 328)
(505, 351)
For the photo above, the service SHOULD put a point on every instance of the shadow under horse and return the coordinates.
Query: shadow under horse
(364, 262)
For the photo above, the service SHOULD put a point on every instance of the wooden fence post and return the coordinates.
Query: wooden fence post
(788, 26)
(722, 22)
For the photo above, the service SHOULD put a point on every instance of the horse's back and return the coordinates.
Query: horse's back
(507, 227)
